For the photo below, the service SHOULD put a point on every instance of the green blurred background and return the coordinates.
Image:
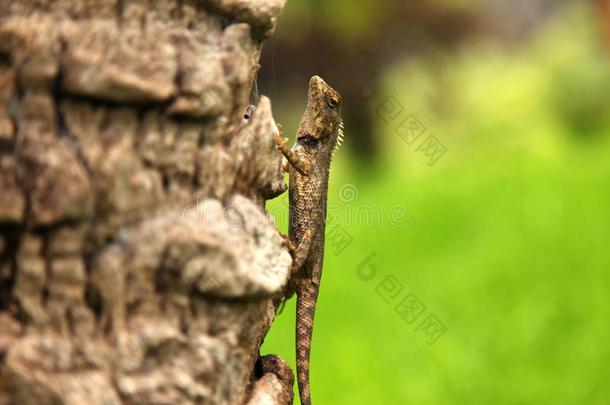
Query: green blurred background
(504, 238)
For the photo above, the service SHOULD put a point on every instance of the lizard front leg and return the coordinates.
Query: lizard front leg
(302, 166)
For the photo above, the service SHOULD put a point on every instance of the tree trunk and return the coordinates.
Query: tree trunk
(137, 263)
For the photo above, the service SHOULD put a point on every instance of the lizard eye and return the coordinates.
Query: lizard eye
(333, 102)
(307, 140)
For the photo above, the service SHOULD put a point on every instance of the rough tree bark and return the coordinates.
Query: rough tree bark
(137, 263)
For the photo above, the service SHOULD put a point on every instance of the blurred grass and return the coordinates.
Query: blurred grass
(504, 238)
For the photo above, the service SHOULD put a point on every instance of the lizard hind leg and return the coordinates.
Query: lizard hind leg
(287, 293)
(288, 243)
(301, 252)
(279, 308)
(299, 255)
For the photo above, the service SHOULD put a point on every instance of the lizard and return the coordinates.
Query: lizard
(319, 135)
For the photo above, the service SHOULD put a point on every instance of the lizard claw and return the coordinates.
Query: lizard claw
(280, 141)
(281, 305)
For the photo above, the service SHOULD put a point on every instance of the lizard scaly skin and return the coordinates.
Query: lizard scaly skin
(319, 135)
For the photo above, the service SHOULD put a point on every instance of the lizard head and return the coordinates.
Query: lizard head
(321, 129)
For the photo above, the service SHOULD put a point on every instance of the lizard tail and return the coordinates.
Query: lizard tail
(307, 294)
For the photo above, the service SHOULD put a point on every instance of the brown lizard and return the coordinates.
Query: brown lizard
(318, 137)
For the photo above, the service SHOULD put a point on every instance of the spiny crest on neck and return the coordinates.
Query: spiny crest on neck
(339, 138)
